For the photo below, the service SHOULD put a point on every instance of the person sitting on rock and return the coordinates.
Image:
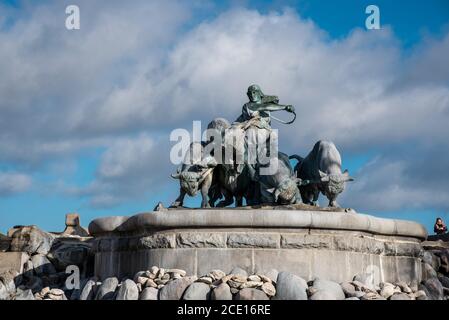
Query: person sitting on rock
(440, 227)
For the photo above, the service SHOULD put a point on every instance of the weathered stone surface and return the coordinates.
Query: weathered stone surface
(24, 294)
(4, 243)
(206, 280)
(13, 261)
(158, 241)
(366, 279)
(128, 291)
(444, 281)
(197, 291)
(31, 240)
(428, 272)
(239, 272)
(268, 289)
(400, 296)
(348, 289)
(106, 290)
(431, 259)
(388, 290)
(290, 287)
(222, 292)
(253, 240)
(272, 274)
(42, 266)
(352, 298)
(404, 287)
(175, 289)
(201, 240)
(434, 289)
(217, 274)
(65, 253)
(251, 294)
(73, 227)
(4, 294)
(301, 241)
(328, 290)
(149, 293)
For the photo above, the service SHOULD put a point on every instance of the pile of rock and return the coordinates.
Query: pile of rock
(174, 284)
(34, 264)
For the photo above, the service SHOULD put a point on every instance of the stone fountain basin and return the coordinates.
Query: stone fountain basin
(334, 245)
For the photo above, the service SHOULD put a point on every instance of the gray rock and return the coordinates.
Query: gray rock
(88, 292)
(239, 272)
(428, 272)
(348, 289)
(149, 293)
(197, 291)
(328, 290)
(174, 290)
(34, 283)
(42, 266)
(4, 294)
(431, 259)
(400, 296)
(434, 289)
(444, 281)
(366, 279)
(352, 298)
(290, 287)
(31, 240)
(8, 280)
(251, 294)
(128, 291)
(107, 289)
(222, 292)
(63, 254)
(389, 290)
(24, 294)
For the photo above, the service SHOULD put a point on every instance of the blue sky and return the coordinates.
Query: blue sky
(86, 116)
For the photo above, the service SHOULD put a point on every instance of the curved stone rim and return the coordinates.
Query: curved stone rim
(260, 218)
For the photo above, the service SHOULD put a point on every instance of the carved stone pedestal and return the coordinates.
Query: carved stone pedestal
(331, 245)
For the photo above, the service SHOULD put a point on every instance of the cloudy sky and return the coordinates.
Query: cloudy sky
(85, 115)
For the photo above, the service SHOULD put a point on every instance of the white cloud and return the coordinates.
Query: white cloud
(12, 183)
(123, 77)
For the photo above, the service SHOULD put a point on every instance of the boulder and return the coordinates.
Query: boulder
(348, 289)
(434, 289)
(366, 279)
(149, 293)
(174, 290)
(400, 296)
(388, 290)
(107, 289)
(222, 292)
(269, 289)
(251, 294)
(431, 259)
(5, 242)
(272, 274)
(444, 281)
(428, 272)
(328, 290)
(65, 253)
(290, 287)
(31, 240)
(128, 291)
(41, 265)
(239, 272)
(8, 279)
(88, 292)
(197, 291)
(4, 294)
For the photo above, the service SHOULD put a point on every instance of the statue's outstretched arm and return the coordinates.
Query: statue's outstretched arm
(274, 107)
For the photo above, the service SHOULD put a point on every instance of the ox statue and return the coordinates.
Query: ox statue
(322, 167)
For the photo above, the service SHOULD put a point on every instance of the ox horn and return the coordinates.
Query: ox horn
(346, 176)
(324, 177)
